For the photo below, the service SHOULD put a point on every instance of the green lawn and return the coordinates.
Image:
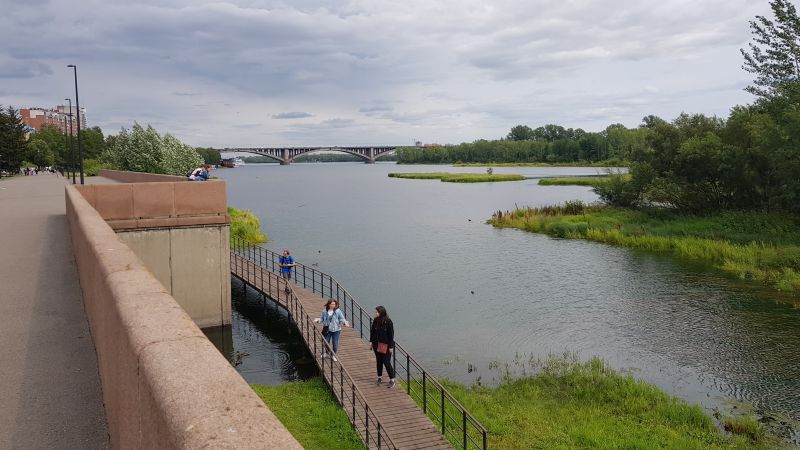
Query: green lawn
(457, 177)
(308, 410)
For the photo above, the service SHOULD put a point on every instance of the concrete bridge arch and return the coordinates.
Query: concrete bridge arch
(285, 155)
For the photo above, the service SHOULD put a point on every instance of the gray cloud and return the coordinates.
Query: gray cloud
(292, 115)
(382, 71)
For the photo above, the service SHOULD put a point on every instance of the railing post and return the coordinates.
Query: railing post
(366, 421)
(379, 435)
(353, 395)
(408, 373)
(361, 320)
(484, 439)
(442, 390)
(464, 423)
(304, 276)
(424, 392)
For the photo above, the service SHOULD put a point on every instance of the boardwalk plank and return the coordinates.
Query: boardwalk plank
(401, 419)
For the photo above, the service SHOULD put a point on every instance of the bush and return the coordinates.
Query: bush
(245, 226)
(618, 190)
(91, 167)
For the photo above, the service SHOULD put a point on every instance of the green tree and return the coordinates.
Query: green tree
(55, 140)
(209, 155)
(520, 133)
(774, 55)
(40, 153)
(178, 157)
(12, 139)
(144, 150)
(93, 143)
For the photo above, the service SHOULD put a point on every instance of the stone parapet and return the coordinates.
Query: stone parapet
(164, 384)
(137, 177)
(161, 204)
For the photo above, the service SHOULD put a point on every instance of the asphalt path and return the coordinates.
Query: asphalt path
(50, 392)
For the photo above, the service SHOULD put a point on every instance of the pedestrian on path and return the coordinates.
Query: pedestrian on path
(286, 263)
(381, 338)
(333, 320)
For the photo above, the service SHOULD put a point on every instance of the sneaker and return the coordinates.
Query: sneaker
(324, 355)
(335, 359)
(391, 384)
(378, 383)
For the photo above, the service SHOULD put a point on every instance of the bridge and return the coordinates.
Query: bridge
(419, 413)
(285, 155)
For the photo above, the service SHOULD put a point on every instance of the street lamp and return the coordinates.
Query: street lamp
(78, 109)
(71, 150)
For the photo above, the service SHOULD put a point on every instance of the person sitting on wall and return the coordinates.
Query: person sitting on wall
(202, 173)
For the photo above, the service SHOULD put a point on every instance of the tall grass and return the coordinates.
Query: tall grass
(570, 404)
(573, 181)
(246, 226)
(457, 177)
(752, 246)
(308, 410)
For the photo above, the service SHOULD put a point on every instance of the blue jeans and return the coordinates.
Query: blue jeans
(335, 336)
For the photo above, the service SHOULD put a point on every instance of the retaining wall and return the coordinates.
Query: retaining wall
(180, 231)
(164, 384)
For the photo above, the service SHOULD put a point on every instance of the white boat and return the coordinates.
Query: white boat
(238, 162)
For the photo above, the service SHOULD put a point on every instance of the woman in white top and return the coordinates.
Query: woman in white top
(332, 318)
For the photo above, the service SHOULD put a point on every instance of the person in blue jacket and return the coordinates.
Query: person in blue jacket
(333, 318)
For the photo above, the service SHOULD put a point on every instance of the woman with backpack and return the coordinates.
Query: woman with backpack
(381, 338)
(332, 319)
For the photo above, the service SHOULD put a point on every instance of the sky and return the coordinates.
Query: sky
(270, 73)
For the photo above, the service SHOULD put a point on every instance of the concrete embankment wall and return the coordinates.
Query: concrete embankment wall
(180, 230)
(164, 384)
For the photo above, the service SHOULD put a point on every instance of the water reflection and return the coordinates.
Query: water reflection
(261, 342)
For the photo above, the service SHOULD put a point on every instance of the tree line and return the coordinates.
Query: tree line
(140, 149)
(749, 160)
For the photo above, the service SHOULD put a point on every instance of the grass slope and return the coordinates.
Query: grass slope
(308, 410)
(755, 246)
(457, 177)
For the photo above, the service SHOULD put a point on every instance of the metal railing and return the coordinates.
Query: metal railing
(453, 420)
(339, 380)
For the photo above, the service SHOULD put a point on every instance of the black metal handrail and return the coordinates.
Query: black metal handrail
(454, 421)
(339, 380)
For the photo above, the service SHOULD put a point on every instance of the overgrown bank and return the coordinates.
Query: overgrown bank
(750, 245)
(245, 226)
(568, 404)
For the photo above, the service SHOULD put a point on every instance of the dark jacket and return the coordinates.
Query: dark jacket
(382, 331)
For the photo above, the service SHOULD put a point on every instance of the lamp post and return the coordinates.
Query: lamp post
(71, 150)
(78, 109)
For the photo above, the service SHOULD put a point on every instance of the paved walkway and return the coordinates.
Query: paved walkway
(50, 394)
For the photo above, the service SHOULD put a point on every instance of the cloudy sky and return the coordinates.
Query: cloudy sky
(315, 72)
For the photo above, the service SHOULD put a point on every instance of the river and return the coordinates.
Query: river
(466, 297)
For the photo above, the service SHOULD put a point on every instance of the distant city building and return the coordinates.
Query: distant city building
(36, 118)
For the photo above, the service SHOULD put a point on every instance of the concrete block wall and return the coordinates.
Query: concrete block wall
(164, 384)
(180, 230)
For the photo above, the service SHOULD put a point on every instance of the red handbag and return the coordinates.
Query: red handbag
(382, 348)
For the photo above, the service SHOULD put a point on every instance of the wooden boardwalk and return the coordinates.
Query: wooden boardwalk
(385, 418)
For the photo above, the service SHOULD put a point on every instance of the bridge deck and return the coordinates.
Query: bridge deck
(399, 417)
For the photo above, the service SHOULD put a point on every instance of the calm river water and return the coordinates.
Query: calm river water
(464, 295)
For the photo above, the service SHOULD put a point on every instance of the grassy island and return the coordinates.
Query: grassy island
(567, 404)
(458, 177)
(573, 181)
(750, 245)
